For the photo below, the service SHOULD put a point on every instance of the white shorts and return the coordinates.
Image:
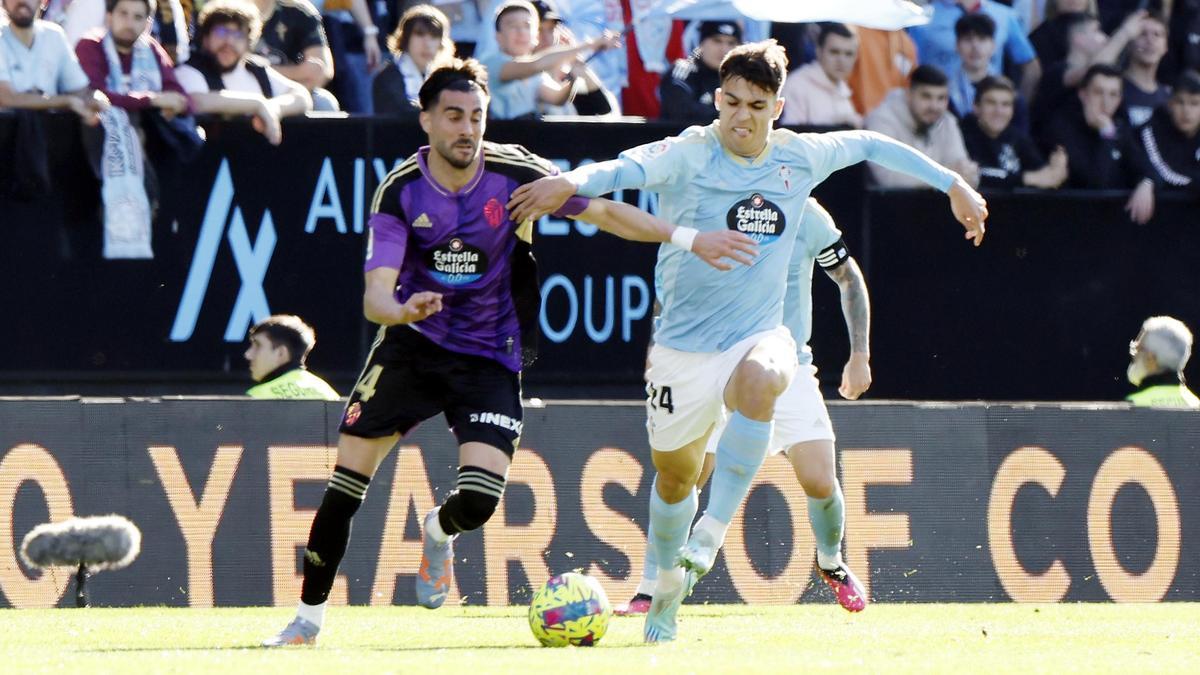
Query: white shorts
(800, 415)
(685, 391)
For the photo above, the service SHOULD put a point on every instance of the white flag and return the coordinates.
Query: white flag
(881, 14)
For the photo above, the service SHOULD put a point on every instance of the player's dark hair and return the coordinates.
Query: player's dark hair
(763, 64)
(833, 28)
(1100, 70)
(993, 83)
(975, 25)
(287, 330)
(426, 19)
(1187, 83)
(110, 5)
(220, 12)
(927, 76)
(464, 75)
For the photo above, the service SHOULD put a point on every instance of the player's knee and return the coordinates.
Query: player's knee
(819, 485)
(757, 386)
(476, 508)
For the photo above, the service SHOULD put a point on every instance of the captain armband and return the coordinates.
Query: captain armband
(834, 255)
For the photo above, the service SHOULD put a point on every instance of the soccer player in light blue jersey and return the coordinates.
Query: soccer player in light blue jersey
(720, 342)
(802, 426)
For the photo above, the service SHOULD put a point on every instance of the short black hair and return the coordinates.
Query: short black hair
(1187, 83)
(927, 76)
(287, 330)
(1100, 70)
(456, 75)
(833, 28)
(763, 64)
(110, 5)
(993, 83)
(975, 25)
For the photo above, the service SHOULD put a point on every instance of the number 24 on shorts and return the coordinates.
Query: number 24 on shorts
(661, 398)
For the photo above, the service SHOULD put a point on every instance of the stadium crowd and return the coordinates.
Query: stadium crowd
(1085, 94)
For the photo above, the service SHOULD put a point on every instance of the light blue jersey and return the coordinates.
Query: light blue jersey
(818, 233)
(702, 185)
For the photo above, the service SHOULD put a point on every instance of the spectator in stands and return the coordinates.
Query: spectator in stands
(936, 42)
(975, 41)
(1006, 155)
(1158, 356)
(885, 59)
(1143, 92)
(1049, 39)
(279, 347)
(1099, 144)
(173, 23)
(687, 91)
(553, 33)
(146, 80)
(354, 41)
(817, 93)
(519, 78)
(1183, 47)
(39, 70)
(920, 117)
(293, 42)
(223, 77)
(1087, 46)
(420, 39)
(1169, 144)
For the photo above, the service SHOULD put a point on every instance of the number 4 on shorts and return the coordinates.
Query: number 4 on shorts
(366, 386)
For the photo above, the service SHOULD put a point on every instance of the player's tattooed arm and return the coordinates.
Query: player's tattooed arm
(856, 308)
(379, 300)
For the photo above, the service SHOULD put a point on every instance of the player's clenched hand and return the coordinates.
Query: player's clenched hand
(711, 247)
(534, 200)
(970, 208)
(856, 376)
(421, 305)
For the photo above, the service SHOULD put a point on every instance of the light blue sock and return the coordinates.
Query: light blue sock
(669, 525)
(828, 517)
(649, 566)
(740, 452)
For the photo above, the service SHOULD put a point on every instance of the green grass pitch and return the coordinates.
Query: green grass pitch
(713, 638)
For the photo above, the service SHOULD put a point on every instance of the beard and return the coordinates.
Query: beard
(122, 43)
(447, 153)
(1136, 372)
(21, 21)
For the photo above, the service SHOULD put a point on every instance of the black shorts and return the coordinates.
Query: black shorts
(408, 379)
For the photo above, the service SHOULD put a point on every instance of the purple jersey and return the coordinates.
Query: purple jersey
(464, 246)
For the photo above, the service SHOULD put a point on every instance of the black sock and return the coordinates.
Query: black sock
(473, 501)
(331, 533)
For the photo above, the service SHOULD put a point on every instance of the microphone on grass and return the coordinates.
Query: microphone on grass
(91, 544)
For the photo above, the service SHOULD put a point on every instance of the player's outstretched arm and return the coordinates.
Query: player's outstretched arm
(856, 308)
(839, 149)
(629, 222)
(547, 195)
(379, 300)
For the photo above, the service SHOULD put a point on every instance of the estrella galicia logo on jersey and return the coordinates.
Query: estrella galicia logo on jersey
(757, 217)
(456, 263)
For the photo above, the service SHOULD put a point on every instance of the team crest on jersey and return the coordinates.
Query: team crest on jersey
(353, 413)
(456, 263)
(757, 217)
(493, 212)
(422, 221)
(657, 149)
(785, 174)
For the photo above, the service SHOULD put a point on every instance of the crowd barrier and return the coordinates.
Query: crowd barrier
(1042, 311)
(944, 503)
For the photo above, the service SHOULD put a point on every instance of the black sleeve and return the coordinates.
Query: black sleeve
(679, 102)
(389, 97)
(1031, 158)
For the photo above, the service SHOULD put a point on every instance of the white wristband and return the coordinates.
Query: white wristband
(684, 237)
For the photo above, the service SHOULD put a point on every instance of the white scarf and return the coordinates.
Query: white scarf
(126, 207)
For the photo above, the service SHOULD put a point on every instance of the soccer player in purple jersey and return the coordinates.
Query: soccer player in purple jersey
(452, 283)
